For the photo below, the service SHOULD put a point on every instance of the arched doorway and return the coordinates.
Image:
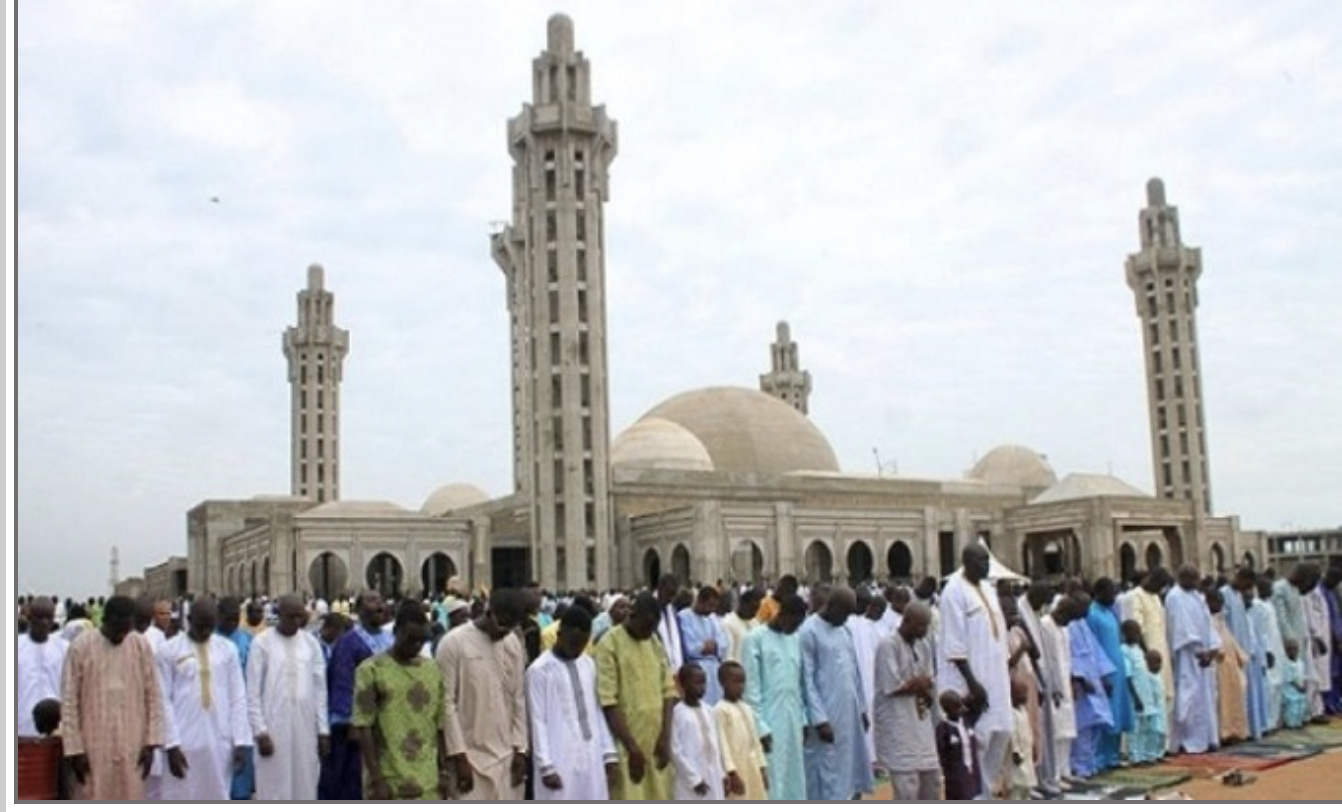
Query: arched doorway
(1249, 560)
(328, 576)
(384, 574)
(251, 581)
(265, 576)
(860, 563)
(899, 560)
(1154, 557)
(747, 562)
(819, 563)
(437, 570)
(1127, 562)
(1218, 559)
(1053, 558)
(680, 563)
(652, 568)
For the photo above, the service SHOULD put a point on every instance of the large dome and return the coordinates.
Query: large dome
(747, 431)
(660, 444)
(453, 496)
(1015, 465)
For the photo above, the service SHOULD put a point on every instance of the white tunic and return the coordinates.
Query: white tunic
(193, 675)
(37, 676)
(286, 699)
(866, 635)
(1318, 670)
(1056, 661)
(696, 754)
(569, 736)
(973, 629)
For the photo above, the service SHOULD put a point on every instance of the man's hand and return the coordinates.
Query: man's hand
(710, 647)
(79, 766)
(701, 788)
(1271, 660)
(638, 765)
(146, 761)
(177, 762)
(1137, 703)
(465, 774)
(552, 781)
(1017, 758)
(767, 742)
(866, 722)
(612, 774)
(978, 696)
(1108, 685)
(519, 769)
(264, 746)
(764, 776)
(1057, 699)
(444, 782)
(323, 746)
(378, 789)
(240, 757)
(735, 786)
(661, 754)
(825, 732)
(1320, 647)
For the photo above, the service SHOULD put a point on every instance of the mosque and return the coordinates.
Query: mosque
(725, 482)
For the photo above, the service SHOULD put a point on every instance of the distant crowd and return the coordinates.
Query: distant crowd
(964, 689)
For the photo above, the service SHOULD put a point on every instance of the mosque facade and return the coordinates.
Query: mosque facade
(723, 483)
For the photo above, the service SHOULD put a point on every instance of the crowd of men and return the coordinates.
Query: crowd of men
(972, 690)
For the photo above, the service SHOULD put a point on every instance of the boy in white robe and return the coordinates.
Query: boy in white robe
(573, 753)
(695, 749)
(205, 710)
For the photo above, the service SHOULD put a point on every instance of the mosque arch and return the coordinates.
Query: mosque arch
(747, 562)
(652, 568)
(680, 563)
(251, 580)
(385, 574)
(265, 576)
(899, 560)
(1218, 558)
(861, 562)
(1127, 562)
(819, 562)
(1155, 557)
(436, 571)
(1250, 561)
(328, 576)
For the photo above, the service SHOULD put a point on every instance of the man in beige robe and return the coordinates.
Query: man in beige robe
(484, 667)
(111, 709)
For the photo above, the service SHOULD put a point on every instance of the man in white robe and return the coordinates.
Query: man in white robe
(286, 701)
(1263, 616)
(206, 731)
(866, 634)
(573, 753)
(1055, 649)
(484, 668)
(38, 659)
(1193, 646)
(741, 621)
(1318, 673)
(972, 658)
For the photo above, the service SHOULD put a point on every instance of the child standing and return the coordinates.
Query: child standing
(695, 749)
(957, 749)
(1022, 773)
(1294, 699)
(1146, 743)
(742, 753)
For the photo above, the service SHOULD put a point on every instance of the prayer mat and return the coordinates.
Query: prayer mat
(1317, 735)
(1272, 749)
(1144, 778)
(1221, 761)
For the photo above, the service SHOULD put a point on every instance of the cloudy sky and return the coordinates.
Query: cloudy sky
(938, 197)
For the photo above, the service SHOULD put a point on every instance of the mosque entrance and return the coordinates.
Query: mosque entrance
(511, 567)
(438, 569)
(384, 575)
(328, 576)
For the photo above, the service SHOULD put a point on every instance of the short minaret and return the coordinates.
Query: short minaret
(115, 575)
(785, 379)
(316, 350)
(553, 256)
(1163, 277)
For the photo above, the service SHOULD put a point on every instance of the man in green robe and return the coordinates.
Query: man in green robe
(772, 658)
(637, 693)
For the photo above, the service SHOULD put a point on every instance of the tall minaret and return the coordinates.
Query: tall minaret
(1163, 276)
(785, 379)
(115, 575)
(316, 350)
(553, 255)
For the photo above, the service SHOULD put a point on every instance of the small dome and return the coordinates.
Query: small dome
(1015, 465)
(453, 496)
(747, 431)
(660, 444)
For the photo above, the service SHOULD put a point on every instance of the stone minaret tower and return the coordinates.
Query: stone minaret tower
(553, 255)
(316, 351)
(115, 575)
(1163, 276)
(785, 380)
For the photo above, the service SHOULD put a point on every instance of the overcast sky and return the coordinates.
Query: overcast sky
(938, 197)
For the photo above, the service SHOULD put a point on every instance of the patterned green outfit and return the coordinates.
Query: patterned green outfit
(402, 705)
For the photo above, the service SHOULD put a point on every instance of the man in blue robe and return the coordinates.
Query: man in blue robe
(838, 766)
(1239, 596)
(1092, 681)
(1193, 649)
(704, 640)
(771, 655)
(1104, 623)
